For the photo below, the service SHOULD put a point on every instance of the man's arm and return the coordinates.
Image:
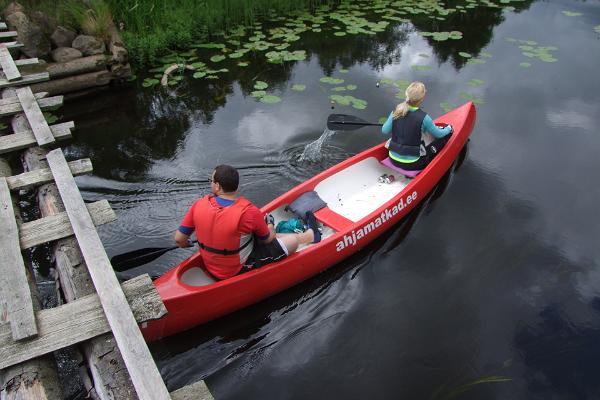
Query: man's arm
(181, 239)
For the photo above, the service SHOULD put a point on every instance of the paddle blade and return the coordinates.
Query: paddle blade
(123, 262)
(343, 122)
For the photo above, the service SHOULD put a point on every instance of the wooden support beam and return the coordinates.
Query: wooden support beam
(12, 277)
(77, 321)
(141, 367)
(15, 100)
(13, 45)
(38, 177)
(25, 139)
(8, 34)
(27, 61)
(34, 115)
(194, 391)
(15, 108)
(11, 72)
(57, 226)
(26, 80)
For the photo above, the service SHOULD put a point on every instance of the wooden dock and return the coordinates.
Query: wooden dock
(99, 315)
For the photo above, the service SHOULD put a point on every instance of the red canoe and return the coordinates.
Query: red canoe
(359, 208)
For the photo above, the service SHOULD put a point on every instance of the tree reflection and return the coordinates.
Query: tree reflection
(124, 133)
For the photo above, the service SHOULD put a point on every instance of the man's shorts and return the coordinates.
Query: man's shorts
(263, 254)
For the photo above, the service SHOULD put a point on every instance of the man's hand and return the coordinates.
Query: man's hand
(269, 219)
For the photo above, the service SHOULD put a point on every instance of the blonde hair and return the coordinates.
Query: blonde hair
(415, 93)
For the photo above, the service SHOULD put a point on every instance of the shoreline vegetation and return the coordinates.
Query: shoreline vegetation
(151, 28)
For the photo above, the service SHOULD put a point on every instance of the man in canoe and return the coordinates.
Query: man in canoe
(233, 234)
(407, 124)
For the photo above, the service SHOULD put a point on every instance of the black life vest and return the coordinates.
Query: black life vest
(406, 134)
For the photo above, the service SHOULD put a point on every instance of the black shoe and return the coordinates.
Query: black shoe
(311, 221)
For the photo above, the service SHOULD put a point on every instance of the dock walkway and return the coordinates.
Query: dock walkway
(98, 312)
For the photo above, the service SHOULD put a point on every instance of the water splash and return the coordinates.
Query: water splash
(312, 151)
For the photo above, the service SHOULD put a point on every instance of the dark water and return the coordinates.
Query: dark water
(491, 290)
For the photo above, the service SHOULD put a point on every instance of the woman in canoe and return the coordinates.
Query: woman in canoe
(407, 124)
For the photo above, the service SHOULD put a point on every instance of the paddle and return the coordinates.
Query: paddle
(132, 259)
(343, 122)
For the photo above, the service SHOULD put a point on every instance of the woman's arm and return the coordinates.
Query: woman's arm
(386, 128)
(436, 131)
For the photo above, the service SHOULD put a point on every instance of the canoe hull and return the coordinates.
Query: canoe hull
(189, 306)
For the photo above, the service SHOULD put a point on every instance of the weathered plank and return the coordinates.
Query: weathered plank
(11, 72)
(15, 108)
(13, 45)
(38, 177)
(26, 79)
(57, 226)
(27, 61)
(19, 303)
(138, 360)
(8, 34)
(34, 115)
(195, 391)
(77, 321)
(25, 139)
(15, 100)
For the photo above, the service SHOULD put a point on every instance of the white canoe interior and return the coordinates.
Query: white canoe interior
(356, 192)
(353, 193)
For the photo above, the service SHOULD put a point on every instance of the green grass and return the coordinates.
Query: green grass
(152, 26)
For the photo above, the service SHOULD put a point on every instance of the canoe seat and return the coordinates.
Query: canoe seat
(332, 219)
(409, 174)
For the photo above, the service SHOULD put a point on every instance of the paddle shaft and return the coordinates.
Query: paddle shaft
(136, 258)
(355, 123)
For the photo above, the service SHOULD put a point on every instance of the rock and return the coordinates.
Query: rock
(35, 43)
(46, 23)
(63, 37)
(12, 8)
(64, 54)
(89, 45)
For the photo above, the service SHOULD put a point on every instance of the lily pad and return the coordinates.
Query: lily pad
(446, 106)
(150, 82)
(420, 67)
(475, 82)
(345, 71)
(217, 58)
(243, 64)
(260, 85)
(351, 87)
(572, 14)
(339, 89)
(476, 61)
(339, 33)
(332, 81)
(209, 46)
(465, 55)
(525, 64)
(298, 87)
(597, 28)
(258, 93)
(270, 99)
